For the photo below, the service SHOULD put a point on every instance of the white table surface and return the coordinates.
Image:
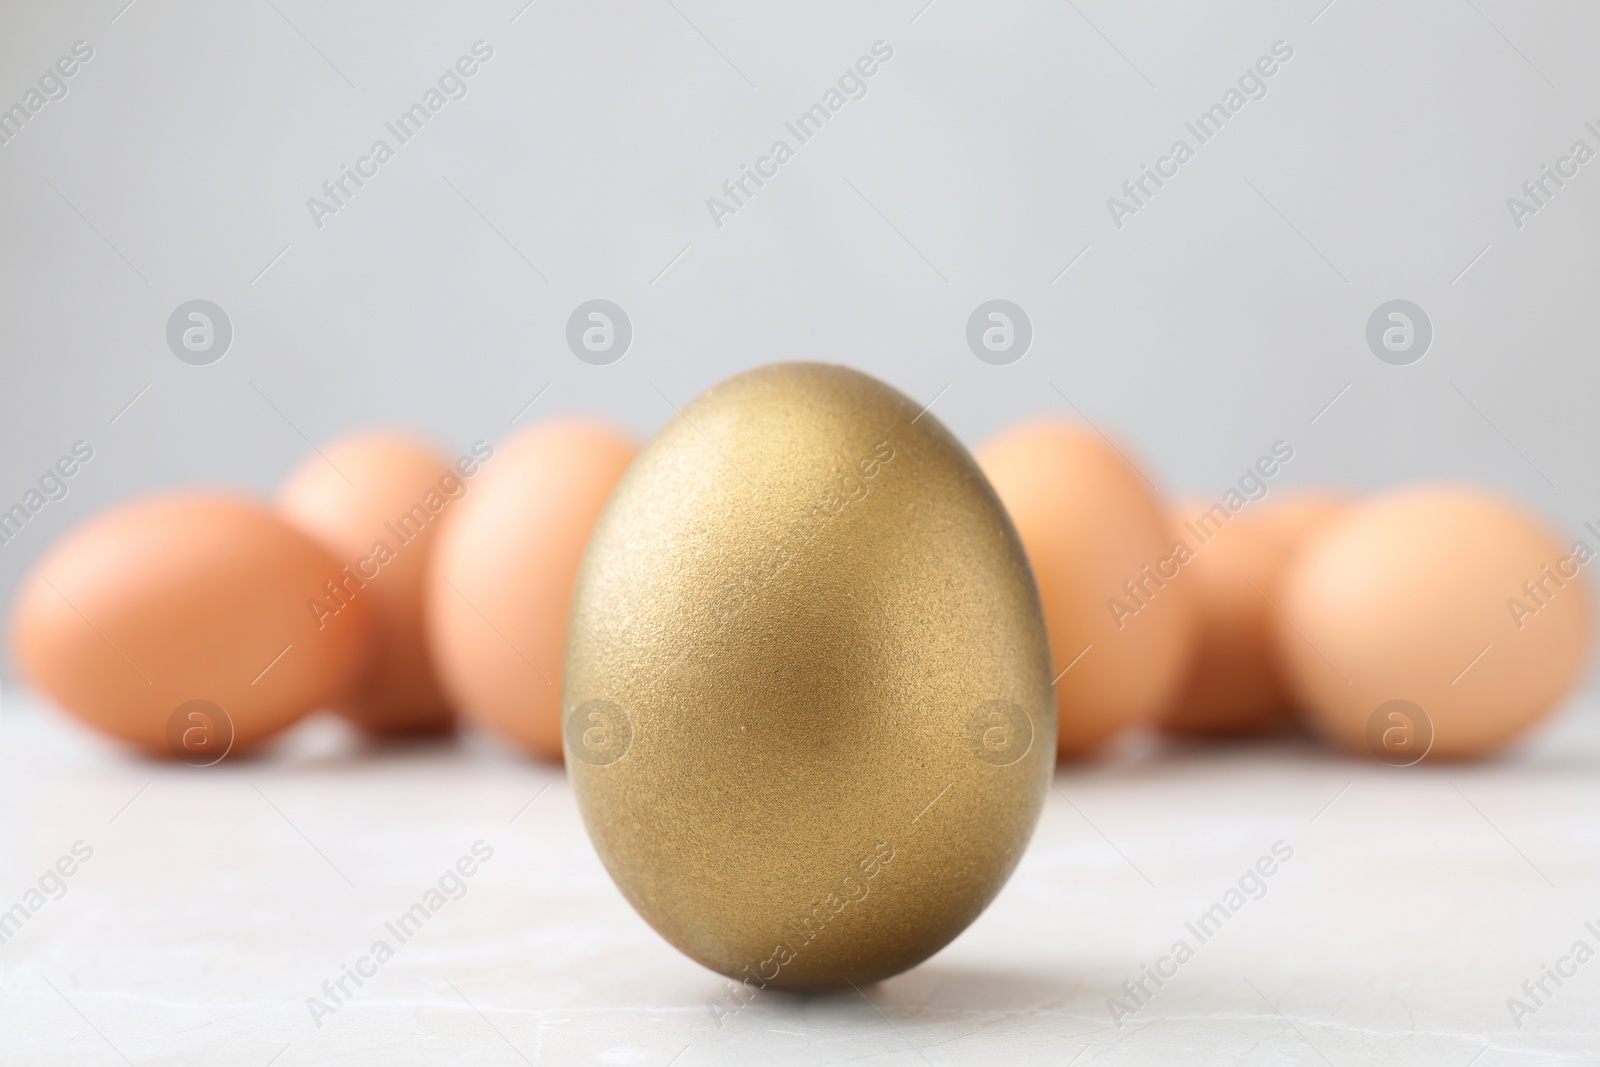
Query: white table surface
(218, 901)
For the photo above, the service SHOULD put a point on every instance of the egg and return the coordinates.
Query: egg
(807, 701)
(501, 584)
(183, 624)
(376, 500)
(1121, 634)
(1436, 621)
(1234, 685)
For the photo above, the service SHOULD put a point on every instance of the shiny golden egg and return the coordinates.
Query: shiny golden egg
(807, 703)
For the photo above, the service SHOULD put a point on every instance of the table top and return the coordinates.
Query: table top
(175, 915)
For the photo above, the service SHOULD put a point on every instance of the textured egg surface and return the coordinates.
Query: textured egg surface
(807, 701)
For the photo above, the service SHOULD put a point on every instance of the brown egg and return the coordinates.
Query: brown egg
(504, 570)
(188, 598)
(1448, 599)
(1098, 541)
(376, 501)
(1234, 685)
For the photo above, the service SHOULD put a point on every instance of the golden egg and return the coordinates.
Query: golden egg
(1436, 621)
(807, 706)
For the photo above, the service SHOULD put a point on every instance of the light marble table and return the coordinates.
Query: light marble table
(216, 903)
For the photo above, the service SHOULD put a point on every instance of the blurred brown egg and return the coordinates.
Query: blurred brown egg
(1438, 620)
(184, 625)
(1234, 685)
(504, 571)
(1098, 541)
(376, 500)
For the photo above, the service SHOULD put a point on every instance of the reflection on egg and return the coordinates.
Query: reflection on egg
(376, 501)
(1447, 598)
(184, 598)
(808, 709)
(1234, 685)
(1098, 540)
(501, 584)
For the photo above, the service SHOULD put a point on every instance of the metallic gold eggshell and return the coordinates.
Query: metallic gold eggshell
(807, 705)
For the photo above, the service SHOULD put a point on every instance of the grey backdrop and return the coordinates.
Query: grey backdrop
(1225, 314)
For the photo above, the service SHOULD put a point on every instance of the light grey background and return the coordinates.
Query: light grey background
(1225, 315)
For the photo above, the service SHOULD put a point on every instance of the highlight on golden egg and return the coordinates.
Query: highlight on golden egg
(501, 583)
(180, 625)
(1436, 621)
(1121, 619)
(807, 698)
(376, 500)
